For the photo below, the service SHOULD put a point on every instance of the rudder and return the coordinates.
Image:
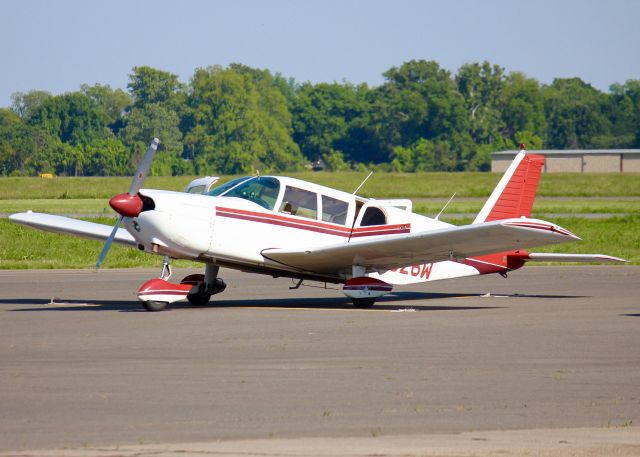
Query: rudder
(516, 191)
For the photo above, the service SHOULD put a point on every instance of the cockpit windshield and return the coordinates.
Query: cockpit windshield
(260, 190)
(219, 190)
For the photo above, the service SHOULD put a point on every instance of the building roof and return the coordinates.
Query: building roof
(569, 152)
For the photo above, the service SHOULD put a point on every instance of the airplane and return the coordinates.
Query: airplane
(285, 227)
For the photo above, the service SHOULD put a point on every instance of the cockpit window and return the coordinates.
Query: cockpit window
(260, 190)
(219, 190)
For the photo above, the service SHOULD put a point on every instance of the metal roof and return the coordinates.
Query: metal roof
(570, 152)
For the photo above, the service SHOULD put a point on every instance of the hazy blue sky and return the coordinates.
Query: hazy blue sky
(58, 45)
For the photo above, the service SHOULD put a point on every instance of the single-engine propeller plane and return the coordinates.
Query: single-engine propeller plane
(285, 227)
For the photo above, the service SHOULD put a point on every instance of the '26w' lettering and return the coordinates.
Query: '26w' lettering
(417, 271)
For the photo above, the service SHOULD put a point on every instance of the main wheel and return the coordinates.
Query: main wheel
(199, 299)
(154, 305)
(363, 302)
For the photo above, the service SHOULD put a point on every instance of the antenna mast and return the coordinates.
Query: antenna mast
(362, 183)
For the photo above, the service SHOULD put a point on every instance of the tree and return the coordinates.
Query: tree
(113, 103)
(625, 114)
(322, 115)
(233, 129)
(106, 157)
(148, 85)
(419, 100)
(424, 155)
(522, 109)
(15, 142)
(482, 86)
(155, 121)
(574, 113)
(73, 118)
(25, 105)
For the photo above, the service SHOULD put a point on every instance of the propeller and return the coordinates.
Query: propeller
(129, 204)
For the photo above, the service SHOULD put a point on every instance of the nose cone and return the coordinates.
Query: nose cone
(126, 205)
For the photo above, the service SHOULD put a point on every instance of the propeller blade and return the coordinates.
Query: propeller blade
(107, 243)
(127, 206)
(143, 168)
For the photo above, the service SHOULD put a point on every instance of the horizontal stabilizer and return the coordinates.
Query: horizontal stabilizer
(71, 226)
(553, 257)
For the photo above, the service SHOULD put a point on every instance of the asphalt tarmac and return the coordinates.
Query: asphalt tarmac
(83, 365)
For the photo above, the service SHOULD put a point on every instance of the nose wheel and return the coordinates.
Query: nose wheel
(156, 293)
(150, 305)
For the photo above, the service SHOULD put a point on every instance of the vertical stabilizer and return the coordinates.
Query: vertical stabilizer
(514, 194)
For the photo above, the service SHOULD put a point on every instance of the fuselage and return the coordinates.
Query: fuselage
(234, 225)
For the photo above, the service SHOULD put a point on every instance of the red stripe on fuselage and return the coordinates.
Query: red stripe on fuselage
(311, 225)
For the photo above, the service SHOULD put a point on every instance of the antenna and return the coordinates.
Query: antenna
(362, 183)
(445, 207)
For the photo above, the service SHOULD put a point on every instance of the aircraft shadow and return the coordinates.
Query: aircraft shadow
(396, 301)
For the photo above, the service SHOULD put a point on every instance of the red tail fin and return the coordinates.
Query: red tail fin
(514, 194)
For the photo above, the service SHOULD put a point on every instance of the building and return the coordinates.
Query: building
(577, 160)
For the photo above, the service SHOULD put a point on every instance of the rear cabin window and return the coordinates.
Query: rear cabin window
(334, 210)
(299, 202)
(373, 216)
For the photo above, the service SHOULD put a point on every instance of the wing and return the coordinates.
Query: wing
(62, 224)
(394, 251)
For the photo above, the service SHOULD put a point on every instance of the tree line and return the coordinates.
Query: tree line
(240, 119)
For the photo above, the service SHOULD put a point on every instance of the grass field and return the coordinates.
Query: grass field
(382, 185)
(615, 196)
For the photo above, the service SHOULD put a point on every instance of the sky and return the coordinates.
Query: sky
(58, 45)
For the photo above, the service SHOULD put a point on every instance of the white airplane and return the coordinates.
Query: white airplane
(285, 227)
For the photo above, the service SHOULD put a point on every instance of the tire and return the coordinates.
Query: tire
(199, 299)
(363, 303)
(154, 305)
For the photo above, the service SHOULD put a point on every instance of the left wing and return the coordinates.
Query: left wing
(71, 226)
(424, 247)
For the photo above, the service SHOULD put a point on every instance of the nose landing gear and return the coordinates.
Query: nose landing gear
(156, 293)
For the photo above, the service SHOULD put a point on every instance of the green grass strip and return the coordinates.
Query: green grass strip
(380, 185)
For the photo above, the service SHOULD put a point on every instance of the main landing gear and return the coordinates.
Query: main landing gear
(363, 291)
(156, 293)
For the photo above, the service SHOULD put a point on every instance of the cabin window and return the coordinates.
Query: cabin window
(260, 190)
(334, 210)
(196, 189)
(299, 202)
(373, 216)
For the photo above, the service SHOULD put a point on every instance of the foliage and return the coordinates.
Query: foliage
(575, 114)
(240, 119)
(234, 128)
